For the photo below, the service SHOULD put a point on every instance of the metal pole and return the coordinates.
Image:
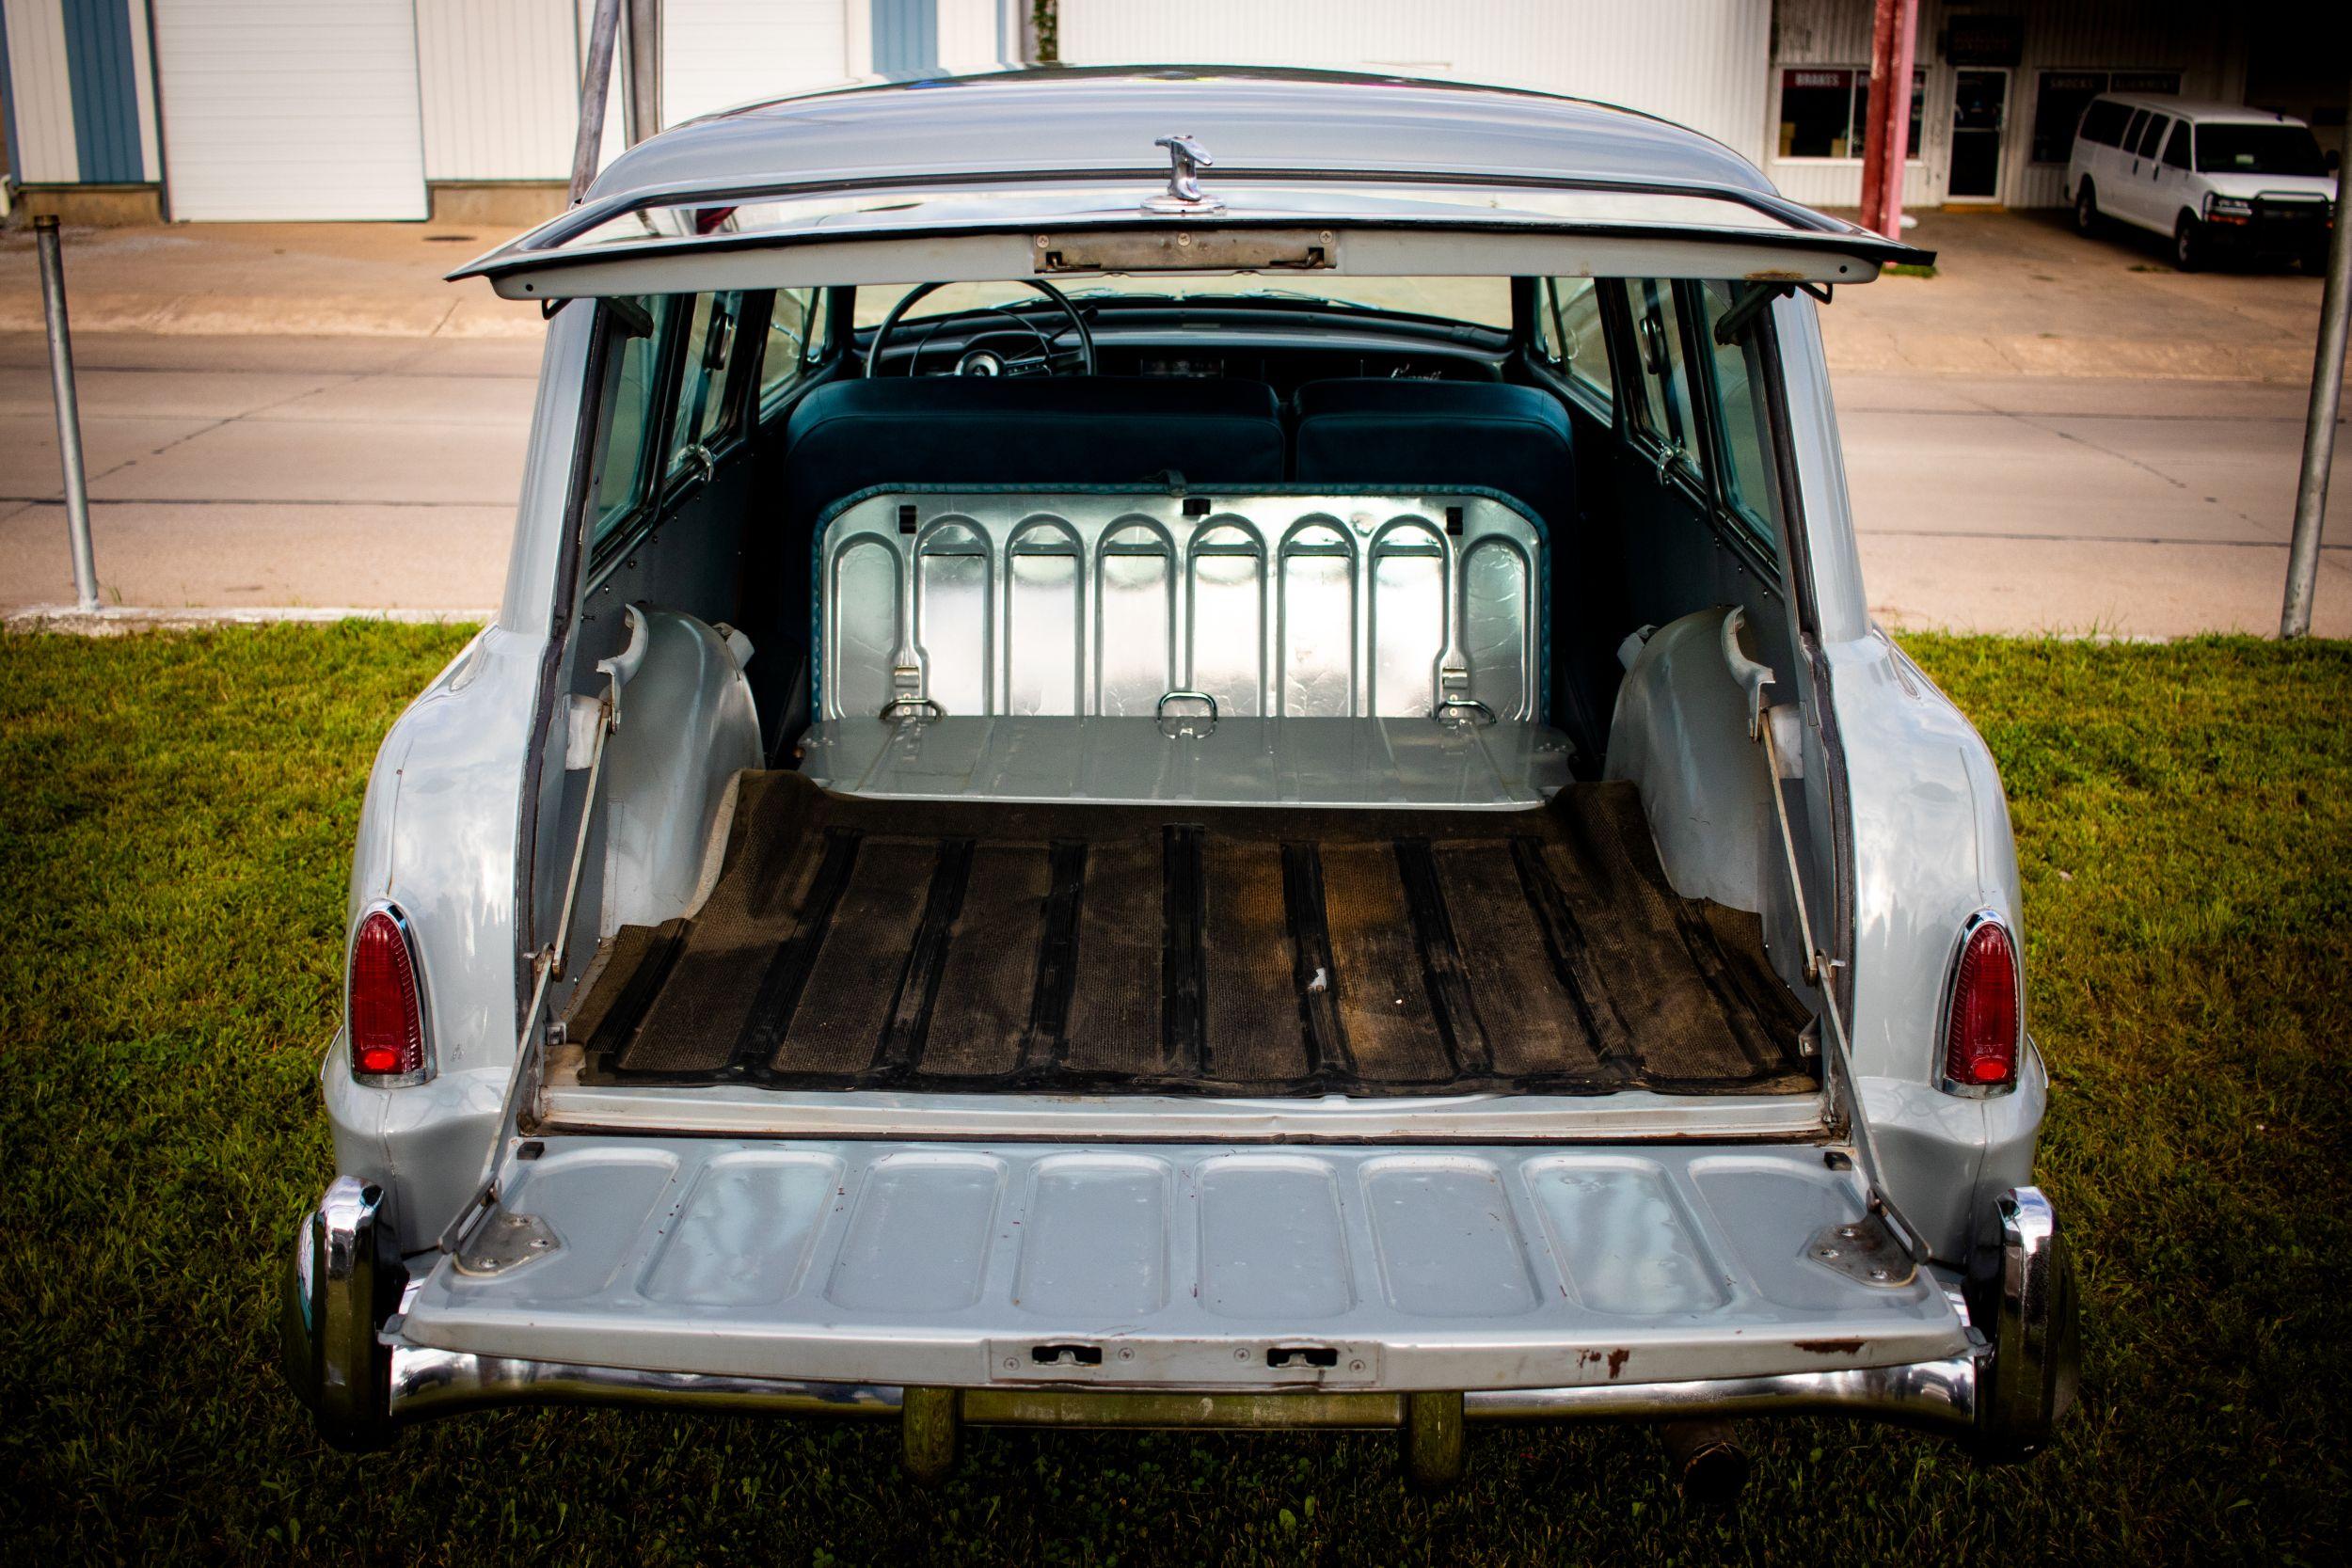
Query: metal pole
(69, 414)
(596, 88)
(2319, 429)
(644, 69)
(1899, 118)
(1874, 174)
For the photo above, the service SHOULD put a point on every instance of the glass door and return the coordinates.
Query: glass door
(1979, 110)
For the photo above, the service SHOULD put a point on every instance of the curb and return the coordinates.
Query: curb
(120, 620)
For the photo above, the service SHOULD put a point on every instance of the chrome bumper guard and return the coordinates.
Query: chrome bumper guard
(361, 1381)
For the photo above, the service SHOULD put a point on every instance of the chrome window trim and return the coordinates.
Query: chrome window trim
(1348, 196)
(1968, 930)
(430, 1060)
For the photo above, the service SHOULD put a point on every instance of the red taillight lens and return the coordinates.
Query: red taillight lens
(386, 1013)
(1980, 1035)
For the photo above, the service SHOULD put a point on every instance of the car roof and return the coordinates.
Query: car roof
(2200, 111)
(1054, 120)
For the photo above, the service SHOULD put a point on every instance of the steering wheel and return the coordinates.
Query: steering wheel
(981, 361)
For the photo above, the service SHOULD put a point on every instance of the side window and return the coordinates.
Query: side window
(1740, 414)
(2102, 123)
(704, 416)
(2176, 151)
(794, 341)
(2151, 135)
(629, 414)
(1569, 335)
(1663, 410)
(2129, 138)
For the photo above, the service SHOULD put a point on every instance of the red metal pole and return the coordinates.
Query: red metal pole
(1898, 117)
(1874, 128)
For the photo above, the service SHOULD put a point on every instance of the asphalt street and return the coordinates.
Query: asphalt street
(381, 473)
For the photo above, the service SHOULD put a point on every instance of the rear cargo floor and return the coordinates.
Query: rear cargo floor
(865, 943)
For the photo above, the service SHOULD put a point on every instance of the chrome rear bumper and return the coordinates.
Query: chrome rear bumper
(344, 1356)
(1933, 1396)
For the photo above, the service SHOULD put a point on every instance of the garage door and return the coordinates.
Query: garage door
(290, 110)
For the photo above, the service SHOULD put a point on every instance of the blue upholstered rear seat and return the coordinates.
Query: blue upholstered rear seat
(1064, 430)
(1430, 433)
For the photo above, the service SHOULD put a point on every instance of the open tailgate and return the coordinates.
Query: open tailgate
(966, 1265)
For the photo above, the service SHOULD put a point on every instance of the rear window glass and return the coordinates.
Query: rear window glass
(1481, 301)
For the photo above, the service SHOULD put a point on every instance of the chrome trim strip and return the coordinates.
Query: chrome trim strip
(565, 1106)
(427, 1382)
(1932, 1396)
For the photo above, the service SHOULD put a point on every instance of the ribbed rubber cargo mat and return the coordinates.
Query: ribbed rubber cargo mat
(860, 943)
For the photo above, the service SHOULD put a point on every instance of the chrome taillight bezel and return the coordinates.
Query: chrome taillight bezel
(426, 1061)
(1944, 1080)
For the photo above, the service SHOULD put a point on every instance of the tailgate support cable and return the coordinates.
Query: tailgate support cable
(591, 722)
(1819, 968)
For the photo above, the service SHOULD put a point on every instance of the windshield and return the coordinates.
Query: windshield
(2258, 150)
(1481, 301)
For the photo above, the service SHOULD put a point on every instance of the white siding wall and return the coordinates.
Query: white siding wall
(717, 54)
(284, 111)
(500, 81)
(45, 151)
(1700, 63)
(978, 35)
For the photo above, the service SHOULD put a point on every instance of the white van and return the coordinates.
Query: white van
(2217, 178)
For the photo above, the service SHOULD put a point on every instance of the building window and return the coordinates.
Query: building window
(2060, 96)
(1825, 110)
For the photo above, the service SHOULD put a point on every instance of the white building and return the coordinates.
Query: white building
(293, 109)
(127, 110)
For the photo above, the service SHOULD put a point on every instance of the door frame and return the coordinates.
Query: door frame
(1953, 132)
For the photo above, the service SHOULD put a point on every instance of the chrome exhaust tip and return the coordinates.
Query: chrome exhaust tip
(1708, 1464)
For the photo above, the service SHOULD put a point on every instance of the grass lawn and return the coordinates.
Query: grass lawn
(175, 816)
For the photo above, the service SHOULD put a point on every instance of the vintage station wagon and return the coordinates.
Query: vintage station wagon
(1187, 748)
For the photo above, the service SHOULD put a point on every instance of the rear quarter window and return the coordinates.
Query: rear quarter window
(2103, 124)
(1570, 337)
(1750, 494)
(704, 417)
(631, 407)
(1663, 412)
(795, 341)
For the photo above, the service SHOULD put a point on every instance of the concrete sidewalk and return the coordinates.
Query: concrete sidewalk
(266, 279)
(2021, 293)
